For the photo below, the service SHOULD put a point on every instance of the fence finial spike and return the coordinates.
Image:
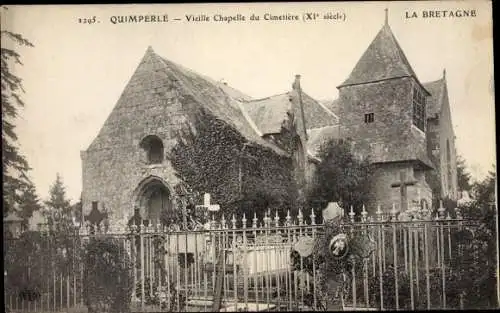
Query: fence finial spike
(244, 220)
(352, 214)
(364, 214)
(441, 210)
(233, 221)
(379, 212)
(313, 217)
(393, 210)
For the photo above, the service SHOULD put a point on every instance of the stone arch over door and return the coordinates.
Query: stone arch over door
(155, 199)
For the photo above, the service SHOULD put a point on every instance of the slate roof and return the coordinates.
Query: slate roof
(154, 76)
(319, 136)
(270, 112)
(383, 59)
(218, 99)
(334, 106)
(389, 153)
(434, 102)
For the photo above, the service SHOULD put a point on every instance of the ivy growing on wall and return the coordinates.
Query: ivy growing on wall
(212, 157)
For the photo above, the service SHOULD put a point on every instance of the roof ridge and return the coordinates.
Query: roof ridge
(383, 59)
(327, 109)
(268, 97)
(203, 76)
(401, 55)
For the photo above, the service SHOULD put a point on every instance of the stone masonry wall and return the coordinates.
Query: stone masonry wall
(385, 195)
(114, 164)
(450, 188)
(391, 140)
(391, 137)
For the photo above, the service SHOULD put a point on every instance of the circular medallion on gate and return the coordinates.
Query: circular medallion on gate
(339, 246)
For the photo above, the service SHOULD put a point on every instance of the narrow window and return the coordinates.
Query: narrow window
(419, 108)
(154, 149)
(369, 118)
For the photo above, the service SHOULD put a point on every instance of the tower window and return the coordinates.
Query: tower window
(153, 146)
(419, 108)
(369, 118)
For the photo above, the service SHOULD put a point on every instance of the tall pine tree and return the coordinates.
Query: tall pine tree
(15, 166)
(30, 202)
(463, 175)
(59, 207)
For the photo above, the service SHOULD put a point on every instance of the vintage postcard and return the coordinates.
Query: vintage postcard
(250, 156)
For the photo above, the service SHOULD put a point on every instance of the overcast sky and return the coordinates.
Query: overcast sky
(75, 74)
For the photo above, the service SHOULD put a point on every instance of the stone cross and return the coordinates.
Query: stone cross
(95, 217)
(402, 185)
(207, 205)
(184, 208)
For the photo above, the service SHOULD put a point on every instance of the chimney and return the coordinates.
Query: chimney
(386, 16)
(296, 87)
(444, 73)
(296, 83)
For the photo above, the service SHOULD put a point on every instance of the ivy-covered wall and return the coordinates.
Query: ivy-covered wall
(240, 176)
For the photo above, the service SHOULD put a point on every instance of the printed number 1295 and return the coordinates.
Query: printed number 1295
(87, 20)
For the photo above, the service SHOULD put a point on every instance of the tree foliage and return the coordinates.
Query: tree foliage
(15, 165)
(107, 276)
(30, 202)
(484, 191)
(60, 211)
(341, 176)
(463, 176)
(479, 247)
(212, 157)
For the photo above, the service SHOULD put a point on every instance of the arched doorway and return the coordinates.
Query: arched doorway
(154, 200)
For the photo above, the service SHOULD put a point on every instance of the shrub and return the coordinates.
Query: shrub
(36, 258)
(164, 295)
(108, 281)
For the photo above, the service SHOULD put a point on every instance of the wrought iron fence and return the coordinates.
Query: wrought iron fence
(415, 265)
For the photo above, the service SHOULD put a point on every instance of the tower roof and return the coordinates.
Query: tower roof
(437, 89)
(383, 59)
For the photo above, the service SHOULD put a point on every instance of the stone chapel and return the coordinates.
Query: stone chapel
(403, 125)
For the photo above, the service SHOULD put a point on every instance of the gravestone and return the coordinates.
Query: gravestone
(332, 211)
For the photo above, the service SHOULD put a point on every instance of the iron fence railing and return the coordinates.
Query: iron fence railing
(225, 268)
